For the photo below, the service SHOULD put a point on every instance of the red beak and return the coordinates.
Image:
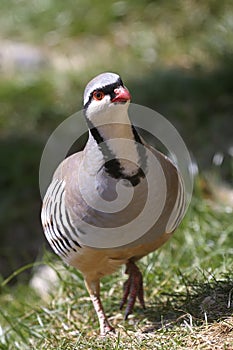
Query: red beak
(122, 95)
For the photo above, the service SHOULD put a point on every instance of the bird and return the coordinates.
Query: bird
(114, 162)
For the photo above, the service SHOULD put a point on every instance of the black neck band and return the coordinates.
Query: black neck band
(112, 164)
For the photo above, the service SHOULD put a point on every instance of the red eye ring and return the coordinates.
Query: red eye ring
(98, 95)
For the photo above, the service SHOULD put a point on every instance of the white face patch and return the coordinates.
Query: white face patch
(106, 111)
(96, 109)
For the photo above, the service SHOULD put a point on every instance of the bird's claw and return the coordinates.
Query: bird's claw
(133, 288)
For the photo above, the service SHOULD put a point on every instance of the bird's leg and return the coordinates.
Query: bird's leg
(133, 288)
(93, 288)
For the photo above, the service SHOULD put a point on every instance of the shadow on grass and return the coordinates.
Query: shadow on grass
(20, 203)
(202, 303)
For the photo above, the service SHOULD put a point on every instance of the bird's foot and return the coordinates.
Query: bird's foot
(133, 288)
(106, 328)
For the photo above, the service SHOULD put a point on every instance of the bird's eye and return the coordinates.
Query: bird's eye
(98, 95)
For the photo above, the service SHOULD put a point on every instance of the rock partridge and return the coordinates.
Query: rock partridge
(82, 218)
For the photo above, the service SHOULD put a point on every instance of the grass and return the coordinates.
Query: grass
(188, 289)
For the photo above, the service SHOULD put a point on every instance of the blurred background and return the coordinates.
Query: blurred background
(175, 57)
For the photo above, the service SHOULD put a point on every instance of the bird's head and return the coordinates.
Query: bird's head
(105, 98)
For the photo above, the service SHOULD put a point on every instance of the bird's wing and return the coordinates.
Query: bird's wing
(57, 223)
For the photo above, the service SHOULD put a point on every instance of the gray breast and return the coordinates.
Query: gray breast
(119, 213)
